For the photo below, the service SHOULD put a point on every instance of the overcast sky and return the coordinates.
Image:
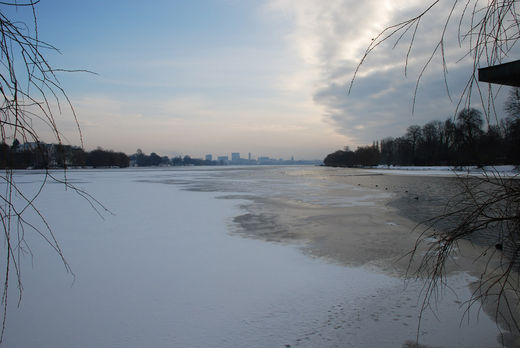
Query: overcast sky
(267, 77)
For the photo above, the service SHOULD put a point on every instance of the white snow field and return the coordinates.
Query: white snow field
(165, 271)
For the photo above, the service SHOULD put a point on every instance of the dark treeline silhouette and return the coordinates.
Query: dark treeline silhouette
(363, 156)
(140, 159)
(450, 143)
(104, 158)
(39, 155)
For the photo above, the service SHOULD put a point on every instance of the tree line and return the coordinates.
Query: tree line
(140, 159)
(39, 155)
(458, 142)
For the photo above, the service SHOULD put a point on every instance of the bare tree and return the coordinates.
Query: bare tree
(30, 98)
(513, 103)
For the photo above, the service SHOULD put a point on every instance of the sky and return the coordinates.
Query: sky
(268, 77)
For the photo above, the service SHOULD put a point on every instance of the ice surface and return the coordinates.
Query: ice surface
(163, 271)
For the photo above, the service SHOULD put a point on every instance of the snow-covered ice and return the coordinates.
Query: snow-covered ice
(164, 271)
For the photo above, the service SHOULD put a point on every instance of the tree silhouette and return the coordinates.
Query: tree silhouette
(513, 103)
(470, 123)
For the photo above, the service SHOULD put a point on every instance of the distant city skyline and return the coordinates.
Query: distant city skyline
(214, 155)
(250, 157)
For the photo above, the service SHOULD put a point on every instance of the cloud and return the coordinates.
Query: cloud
(331, 38)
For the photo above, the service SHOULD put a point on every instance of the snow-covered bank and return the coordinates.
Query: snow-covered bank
(164, 271)
(503, 170)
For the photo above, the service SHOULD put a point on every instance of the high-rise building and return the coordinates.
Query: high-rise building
(209, 158)
(235, 156)
(249, 156)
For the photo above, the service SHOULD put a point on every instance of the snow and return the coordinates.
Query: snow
(164, 271)
(502, 170)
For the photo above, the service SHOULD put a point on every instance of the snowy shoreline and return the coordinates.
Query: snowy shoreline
(502, 170)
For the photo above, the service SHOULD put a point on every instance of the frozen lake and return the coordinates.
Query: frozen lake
(172, 266)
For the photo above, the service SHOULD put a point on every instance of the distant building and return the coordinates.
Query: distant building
(235, 156)
(249, 156)
(263, 160)
(223, 159)
(209, 157)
